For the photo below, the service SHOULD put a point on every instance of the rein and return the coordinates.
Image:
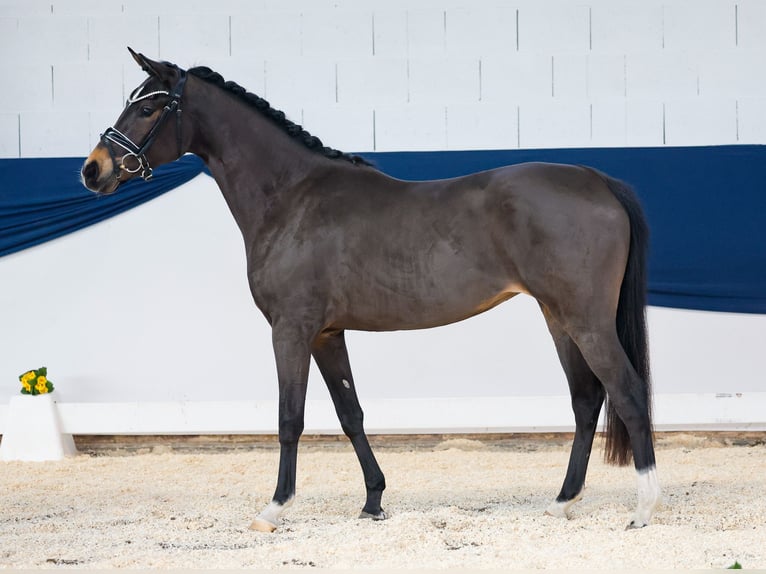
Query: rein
(136, 151)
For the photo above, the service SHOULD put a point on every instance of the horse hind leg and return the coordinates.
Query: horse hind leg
(602, 350)
(587, 398)
(331, 356)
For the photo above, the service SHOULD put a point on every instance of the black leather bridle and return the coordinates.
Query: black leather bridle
(138, 151)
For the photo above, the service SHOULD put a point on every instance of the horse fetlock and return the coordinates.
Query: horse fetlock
(560, 508)
(268, 520)
(648, 498)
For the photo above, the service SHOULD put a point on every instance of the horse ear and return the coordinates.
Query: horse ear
(160, 70)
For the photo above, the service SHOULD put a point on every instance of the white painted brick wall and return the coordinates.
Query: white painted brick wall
(390, 33)
(53, 134)
(631, 72)
(426, 32)
(661, 75)
(733, 73)
(80, 95)
(18, 8)
(86, 8)
(609, 123)
(267, 34)
(9, 135)
(9, 28)
(569, 73)
(444, 80)
(699, 25)
(566, 121)
(110, 35)
(554, 27)
(620, 27)
(483, 126)
(413, 127)
(26, 87)
(479, 31)
(518, 77)
(50, 39)
(188, 39)
(296, 82)
(644, 123)
(373, 81)
(346, 127)
(751, 116)
(701, 119)
(606, 76)
(336, 33)
(751, 19)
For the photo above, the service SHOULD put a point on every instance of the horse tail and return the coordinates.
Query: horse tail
(631, 320)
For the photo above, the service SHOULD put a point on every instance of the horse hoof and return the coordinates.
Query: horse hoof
(380, 516)
(556, 511)
(634, 525)
(262, 525)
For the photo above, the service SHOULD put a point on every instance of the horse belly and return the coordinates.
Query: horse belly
(424, 297)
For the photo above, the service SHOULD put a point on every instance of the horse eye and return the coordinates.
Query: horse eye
(146, 111)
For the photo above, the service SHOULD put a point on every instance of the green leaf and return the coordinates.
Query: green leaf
(42, 371)
(735, 566)
(25, 392)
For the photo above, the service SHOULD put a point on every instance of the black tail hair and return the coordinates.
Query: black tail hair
(631, 319)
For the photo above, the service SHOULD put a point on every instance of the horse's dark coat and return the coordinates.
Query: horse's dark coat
(333, 244)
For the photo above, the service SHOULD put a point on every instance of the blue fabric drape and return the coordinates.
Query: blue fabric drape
(706, 208)
(42, 198)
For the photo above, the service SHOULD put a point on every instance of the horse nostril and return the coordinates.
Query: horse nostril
(90, 172)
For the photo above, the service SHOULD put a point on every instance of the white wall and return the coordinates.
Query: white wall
(371, 75)
(135, 310)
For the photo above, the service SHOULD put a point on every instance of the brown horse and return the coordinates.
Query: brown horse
(334, 244)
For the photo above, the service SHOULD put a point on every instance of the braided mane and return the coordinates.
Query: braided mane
(277, 117)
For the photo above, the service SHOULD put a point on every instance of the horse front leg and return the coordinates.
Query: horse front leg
(292, 352)
(331, 356)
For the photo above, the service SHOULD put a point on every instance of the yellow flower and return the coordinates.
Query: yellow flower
(41, 387)
(28, 376)
(41, 380)
(26, 385)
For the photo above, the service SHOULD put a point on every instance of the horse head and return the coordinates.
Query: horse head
(147, 133)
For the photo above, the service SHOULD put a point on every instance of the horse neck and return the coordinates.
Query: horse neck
(250, 157)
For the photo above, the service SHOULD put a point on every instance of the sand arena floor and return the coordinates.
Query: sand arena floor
(453, 502)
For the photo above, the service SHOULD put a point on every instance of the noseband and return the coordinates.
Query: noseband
(136, 151)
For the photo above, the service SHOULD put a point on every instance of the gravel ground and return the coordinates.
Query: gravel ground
(456, 503)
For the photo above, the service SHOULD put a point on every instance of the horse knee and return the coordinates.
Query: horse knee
(290, 429)
(352, 424)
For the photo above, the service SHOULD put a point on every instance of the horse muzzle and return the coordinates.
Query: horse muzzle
(97, 173)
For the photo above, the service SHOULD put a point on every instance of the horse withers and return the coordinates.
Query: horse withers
(333, 244)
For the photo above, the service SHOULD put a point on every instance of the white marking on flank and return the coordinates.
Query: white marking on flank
(346, 384)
